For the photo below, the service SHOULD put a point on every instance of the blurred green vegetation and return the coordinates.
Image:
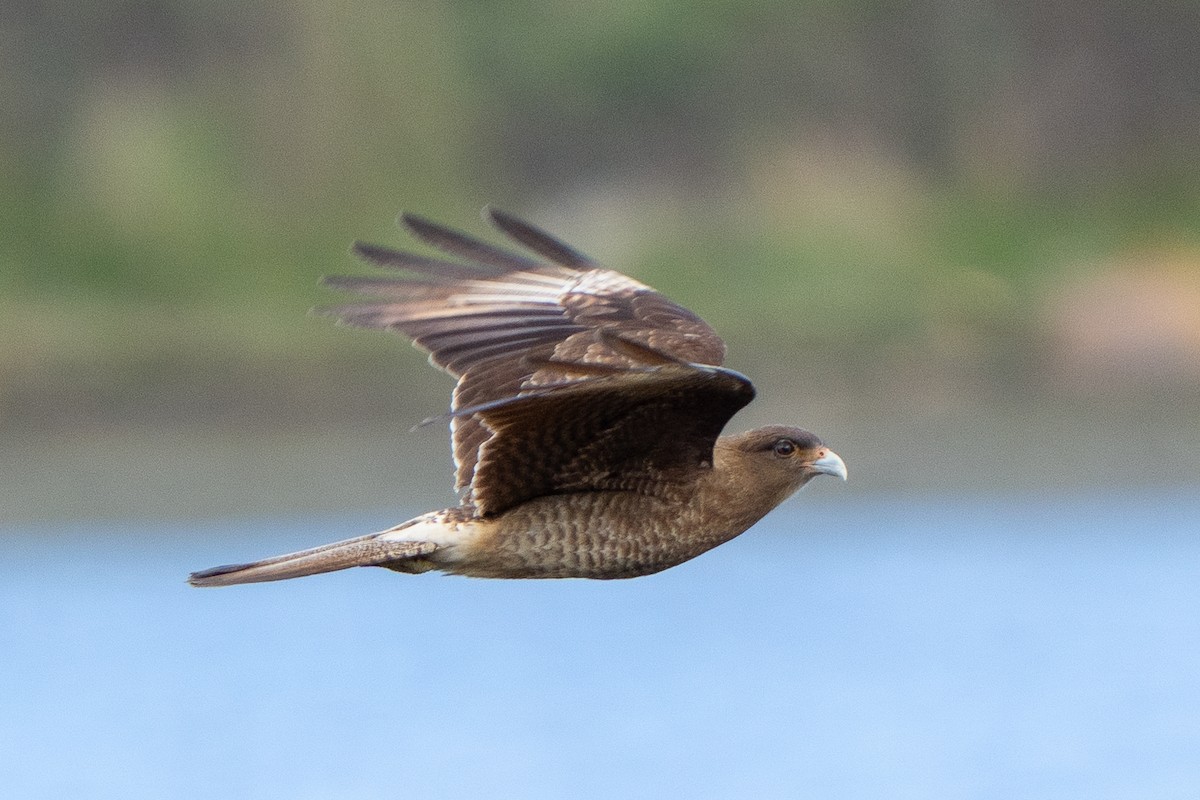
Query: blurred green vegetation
(915, 200)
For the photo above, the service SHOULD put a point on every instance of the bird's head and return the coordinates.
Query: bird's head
(778, 458)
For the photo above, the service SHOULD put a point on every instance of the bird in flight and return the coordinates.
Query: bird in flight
(585, 423)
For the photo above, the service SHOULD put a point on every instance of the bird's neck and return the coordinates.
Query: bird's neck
(733, 497)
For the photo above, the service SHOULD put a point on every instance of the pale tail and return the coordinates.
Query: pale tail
(364, 551)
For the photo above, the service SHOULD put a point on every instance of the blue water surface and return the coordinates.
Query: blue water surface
(903, 648)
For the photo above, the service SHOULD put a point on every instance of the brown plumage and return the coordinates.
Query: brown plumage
(585, 424)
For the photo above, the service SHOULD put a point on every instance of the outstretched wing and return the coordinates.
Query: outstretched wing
(513, 327)
(638, 430)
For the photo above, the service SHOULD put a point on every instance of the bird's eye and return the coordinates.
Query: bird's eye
(785, 448)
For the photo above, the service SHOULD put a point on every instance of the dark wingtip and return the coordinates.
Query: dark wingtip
(460, 244)
(537, 240)
(387, 258)
(495, 215)
(418, 225)
(428, 231)
(435, 234)
(368, 252)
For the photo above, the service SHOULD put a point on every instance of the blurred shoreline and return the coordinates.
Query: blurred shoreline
(960, 242)
(319, 461)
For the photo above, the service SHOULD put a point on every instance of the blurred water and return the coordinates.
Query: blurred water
(1030, 647)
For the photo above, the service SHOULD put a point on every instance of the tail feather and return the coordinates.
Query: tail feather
(364, 551)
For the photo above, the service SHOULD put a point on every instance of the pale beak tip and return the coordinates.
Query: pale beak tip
(831, 464)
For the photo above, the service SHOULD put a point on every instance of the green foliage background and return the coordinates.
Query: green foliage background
(882, 206)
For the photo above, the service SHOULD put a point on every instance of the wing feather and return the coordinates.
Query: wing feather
(540, 242)
(508, 326)
(607, 434)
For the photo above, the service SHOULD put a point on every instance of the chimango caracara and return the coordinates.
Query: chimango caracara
(585, 424)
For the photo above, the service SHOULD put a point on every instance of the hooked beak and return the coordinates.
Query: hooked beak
(830, 463)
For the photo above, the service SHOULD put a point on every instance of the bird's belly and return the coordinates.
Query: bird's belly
(592, 535)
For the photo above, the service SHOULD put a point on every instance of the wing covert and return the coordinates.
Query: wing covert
(494, 319)
(631, 431)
